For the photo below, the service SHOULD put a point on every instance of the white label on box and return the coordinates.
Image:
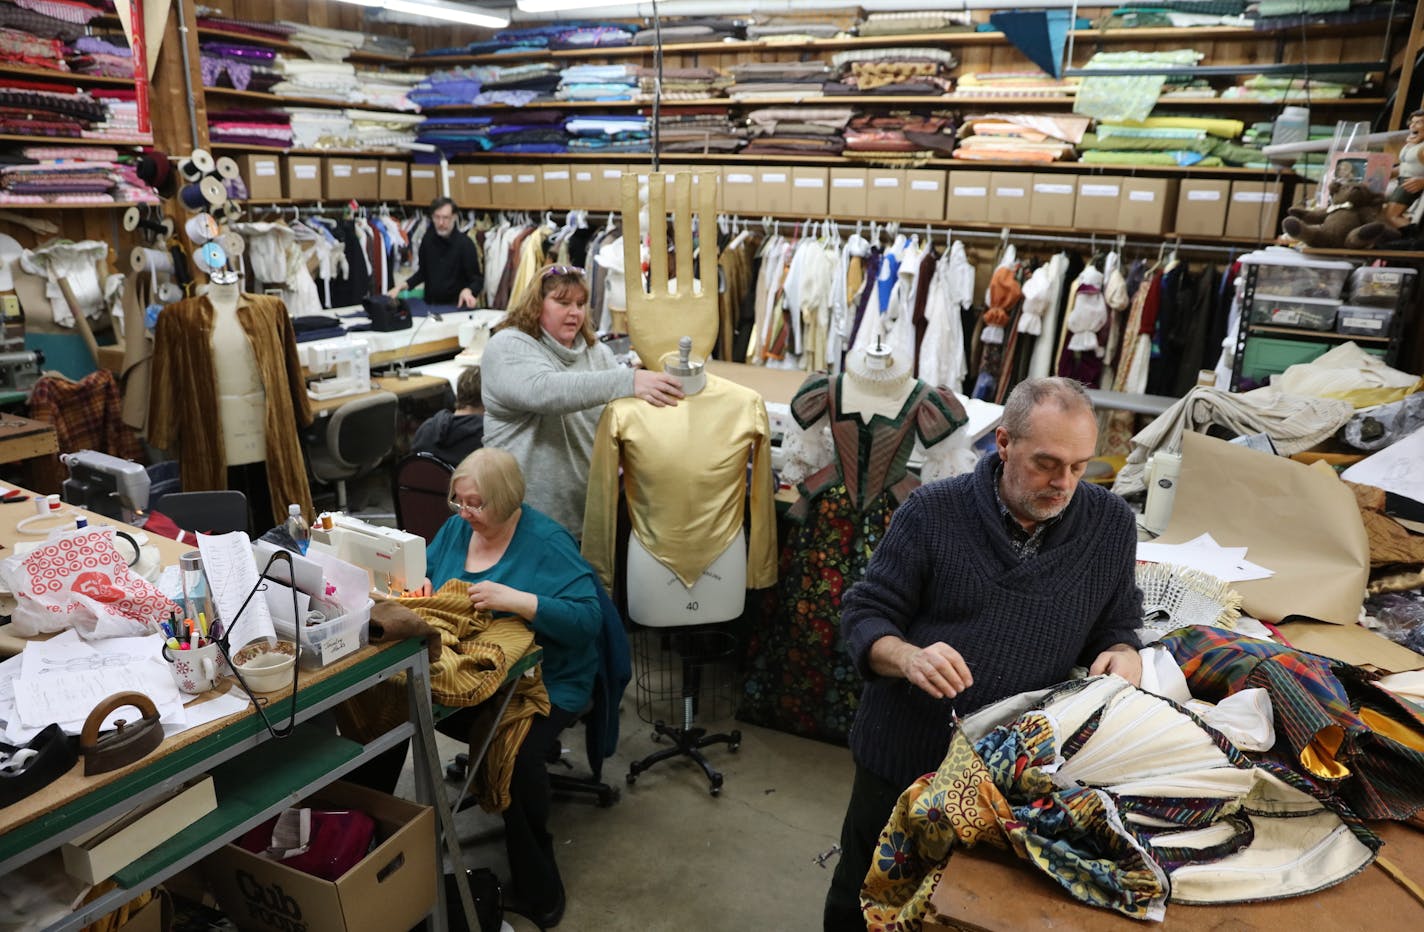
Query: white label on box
(1212, 195)
(613, 173)
(1098, 190)
(773, 177)
(1009, 192)
(365, 169)
(477, 179)
(583, 176)
(1254, 197)
(265, 169)
(526, 179)
(885, 182)
(422, 173)
(1362, 323)
(556, 176)
(918, 184)
(502, 179)
(394, 171)
(847, 182)
(1046, 188)
(336, 647)
(306, 172)
(970, 191)
(808, 183)
(340, 171)
(739, 178)
(1144, 196)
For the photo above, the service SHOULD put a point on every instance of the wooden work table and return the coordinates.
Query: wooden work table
(22, 438)
(415, 385)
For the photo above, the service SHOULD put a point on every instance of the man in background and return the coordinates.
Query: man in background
(449, 265)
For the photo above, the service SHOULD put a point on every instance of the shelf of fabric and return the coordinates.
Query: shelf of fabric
(278, 150)
(111, 205)
(64, 77)
(1326, 335)
(1002, 103)
(282, 45)
(277, 100)
(76, 140)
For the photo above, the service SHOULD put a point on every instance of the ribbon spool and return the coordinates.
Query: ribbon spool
(201, 228)
(208, 192)
(192, 197)
(153, 261)
(232, 244)
(131, 219)
(188, 170)
(167, 226)
(169, 293)
(210, 257)
(232, 211)
(203, 160)
(226, 167)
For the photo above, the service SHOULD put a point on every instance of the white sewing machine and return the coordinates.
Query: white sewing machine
(395, 559)
(350, 362)
(475, 333)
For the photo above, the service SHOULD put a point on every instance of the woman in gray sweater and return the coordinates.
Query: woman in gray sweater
(546, 380)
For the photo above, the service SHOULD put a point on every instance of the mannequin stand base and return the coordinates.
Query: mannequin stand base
(687, 742)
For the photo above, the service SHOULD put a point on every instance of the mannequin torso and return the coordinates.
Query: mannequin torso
(242, 398)
(875, 383)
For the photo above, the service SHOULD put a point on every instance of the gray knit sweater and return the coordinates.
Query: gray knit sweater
(542, 404)
(946, 571)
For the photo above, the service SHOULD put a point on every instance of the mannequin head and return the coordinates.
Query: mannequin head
(487, 489)
(877, 373)
(1047, 436)
(556, 303)
(442, 216)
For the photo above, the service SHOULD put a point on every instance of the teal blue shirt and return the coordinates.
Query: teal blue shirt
(541, 559)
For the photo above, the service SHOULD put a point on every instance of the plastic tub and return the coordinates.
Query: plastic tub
(328, 642)
(1380, 286)
(1285, 311)
(1364, 321)
(1288, 274)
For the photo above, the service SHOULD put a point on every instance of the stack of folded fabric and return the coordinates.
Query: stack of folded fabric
(268, 30)
(796, 80)
(22, 48)
(528, 131)
(250, 127)
(1295, 88)
(64, 175)
(39, 109)
(790, 29)
(598, 82)
(1199, 141)
(899, 24)
(1020, 137)
(593, 36)
(456, 135)
(683, 83)
(1310, 165)
(918, 71)
(388, 90)
(382, 44)
(327, 80)
(1196, 89)
(329, 45)
(699, 129)
(319, 128)
(380, 129)
(43, 19)
(538, 78)
(454, 88)
(797, 130)
(107, 55)
(690, 29)
(900, 135)
(238, 65)
(1014, 84)
(608, 134)
(120, 122)
(1131, 96)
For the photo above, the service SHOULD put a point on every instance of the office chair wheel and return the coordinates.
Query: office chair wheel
(455, 770)
(716, 788)
(632, 778)
(736, 743)
(608, 796)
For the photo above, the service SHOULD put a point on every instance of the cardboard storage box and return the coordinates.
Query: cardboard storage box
(1201, 207)
(1097, 206)
(97, 855)
(773, 190)
(847, 193)
(608, 187)
(1254, 211)
(502, 186)
(1053, 200)
(263, 176)
(304, 178)
(474, 187)
(1145, 204)
(885, 192)
(339, 179)
(392, 888)
(968, 197)
(583, 186)
(1010, 198)
(368, 179)
(739, 191)
(424, 186)
(809, 191)
(393, 185)
(529, 187)
(558, 186)
(924, 194)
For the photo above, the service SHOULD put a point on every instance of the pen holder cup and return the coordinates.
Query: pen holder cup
(196, 670)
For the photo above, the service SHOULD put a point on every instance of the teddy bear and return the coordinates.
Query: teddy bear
(1352, 221)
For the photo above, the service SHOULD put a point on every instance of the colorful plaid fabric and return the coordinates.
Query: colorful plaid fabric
(85, 415)
(1321, 709)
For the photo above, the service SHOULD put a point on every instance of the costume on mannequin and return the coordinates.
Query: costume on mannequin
(684, 470)
(207, 351)
(799, 677)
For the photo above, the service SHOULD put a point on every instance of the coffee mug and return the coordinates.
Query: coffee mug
(196, 670)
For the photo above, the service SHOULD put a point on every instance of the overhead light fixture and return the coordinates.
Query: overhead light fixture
(555, 6)
(439, 9)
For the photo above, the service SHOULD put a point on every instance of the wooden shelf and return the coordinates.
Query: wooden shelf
(75, 141)
(278, 150)
(277, 100)
(114, 205)
(284, 45)
(1330, 335)
(889, 100)
(63, 77)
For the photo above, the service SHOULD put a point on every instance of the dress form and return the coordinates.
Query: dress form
(875, 382)
(656, 597)
(242, 398)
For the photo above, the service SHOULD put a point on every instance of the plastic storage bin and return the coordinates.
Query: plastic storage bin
(1363, 320)
(328, 642)
(1288, 274)
(1380, 286)
(1285, 311)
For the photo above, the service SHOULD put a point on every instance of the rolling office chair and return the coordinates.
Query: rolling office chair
(358, 435)
(216, 512)
(420, 488)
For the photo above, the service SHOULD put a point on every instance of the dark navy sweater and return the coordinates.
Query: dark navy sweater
(946, 571)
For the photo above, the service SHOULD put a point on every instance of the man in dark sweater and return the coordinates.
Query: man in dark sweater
(449, 266)
(986, 585)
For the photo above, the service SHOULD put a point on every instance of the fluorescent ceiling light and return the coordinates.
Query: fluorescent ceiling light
(439, 9)
(554, 6)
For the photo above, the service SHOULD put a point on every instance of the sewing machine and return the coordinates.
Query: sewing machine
(349, 360)
(395, 559)
(474, 333)
(20, 369)
(106, 485)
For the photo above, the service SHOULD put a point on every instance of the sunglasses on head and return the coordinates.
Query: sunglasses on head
(562, 270)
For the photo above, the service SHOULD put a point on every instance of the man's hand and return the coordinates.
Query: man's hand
(1121, 659)
(466, 299)
(394, 292)
(938, 669)
(496, 597)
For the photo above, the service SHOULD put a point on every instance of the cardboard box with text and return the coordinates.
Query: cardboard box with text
(1097, 207)
(1254, 210)
(1010, 198)
(1201, 207)
(847, 193)
(304, 178)
(393, 180)
(1053, 200)
(1146, 205)
(924, 194)
(263, 176)
(968, 198)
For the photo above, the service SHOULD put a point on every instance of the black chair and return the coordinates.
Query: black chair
(358, 435)
(215, 512)
(420, 490)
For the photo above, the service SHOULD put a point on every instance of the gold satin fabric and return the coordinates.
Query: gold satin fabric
(684, 471)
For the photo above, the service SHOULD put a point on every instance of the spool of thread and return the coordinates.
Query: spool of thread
(131, 218)
(188, 170)
(203, 159)
(153, 261)
(201, 228)
(213, 191)
(169, 292)
(191, 196)
(232, 212)
(232, 244)
(167, 226)
(209, 257)
(226, 167)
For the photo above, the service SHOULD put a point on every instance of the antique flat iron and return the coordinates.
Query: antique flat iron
(129, 742)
